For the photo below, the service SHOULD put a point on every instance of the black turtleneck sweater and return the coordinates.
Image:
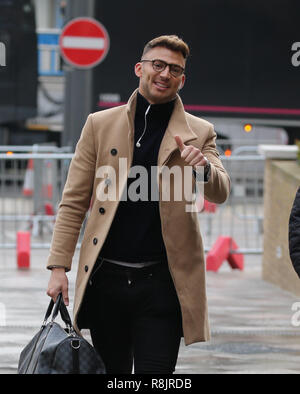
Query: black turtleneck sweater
(135, 234)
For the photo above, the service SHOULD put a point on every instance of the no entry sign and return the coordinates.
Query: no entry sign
(84, 42)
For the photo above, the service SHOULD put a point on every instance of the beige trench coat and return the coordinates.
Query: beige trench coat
(106, 137)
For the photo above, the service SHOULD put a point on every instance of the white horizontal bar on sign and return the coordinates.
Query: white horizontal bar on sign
(82, 42)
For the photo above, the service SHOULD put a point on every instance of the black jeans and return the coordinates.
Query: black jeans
(135, 318)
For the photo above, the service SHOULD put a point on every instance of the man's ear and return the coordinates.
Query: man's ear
(181, 85)
(138, 69)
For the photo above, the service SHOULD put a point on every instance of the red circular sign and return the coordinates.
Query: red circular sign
(84, 42)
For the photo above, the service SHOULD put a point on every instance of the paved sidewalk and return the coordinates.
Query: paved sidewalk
(250, 319)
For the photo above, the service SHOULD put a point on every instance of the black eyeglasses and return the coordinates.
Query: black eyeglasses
(160, 65)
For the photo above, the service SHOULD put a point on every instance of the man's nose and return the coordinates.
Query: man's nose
(166, 72)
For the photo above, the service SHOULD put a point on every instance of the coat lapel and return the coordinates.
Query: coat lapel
(131, 108)
(177, 126)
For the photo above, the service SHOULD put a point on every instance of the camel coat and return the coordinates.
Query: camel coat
(108, 136)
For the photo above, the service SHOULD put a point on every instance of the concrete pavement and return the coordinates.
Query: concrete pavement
(251, 320)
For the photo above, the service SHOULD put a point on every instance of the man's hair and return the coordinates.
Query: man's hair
(172, 42)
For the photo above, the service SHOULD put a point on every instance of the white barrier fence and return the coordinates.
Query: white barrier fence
(31, 185)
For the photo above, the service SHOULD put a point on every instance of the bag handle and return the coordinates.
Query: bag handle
(59, 306)
(48, 312)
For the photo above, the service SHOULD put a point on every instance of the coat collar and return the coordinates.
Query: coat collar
(177, 126)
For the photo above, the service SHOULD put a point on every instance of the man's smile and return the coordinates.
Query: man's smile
(161, 85)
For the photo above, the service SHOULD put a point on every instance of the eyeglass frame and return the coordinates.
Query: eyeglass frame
(166, 65)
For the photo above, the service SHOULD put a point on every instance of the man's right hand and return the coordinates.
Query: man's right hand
(58, 283)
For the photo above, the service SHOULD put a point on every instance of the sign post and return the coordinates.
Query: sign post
(2, 54)
(79, 80)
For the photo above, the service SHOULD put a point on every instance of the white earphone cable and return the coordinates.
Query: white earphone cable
(138, 144)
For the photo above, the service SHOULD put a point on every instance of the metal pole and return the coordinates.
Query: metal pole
(78, 83)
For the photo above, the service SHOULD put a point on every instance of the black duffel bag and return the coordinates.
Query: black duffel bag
(57, 350)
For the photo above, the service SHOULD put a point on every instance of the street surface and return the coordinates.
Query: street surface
(251, 320)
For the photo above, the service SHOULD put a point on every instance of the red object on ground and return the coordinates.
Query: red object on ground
(23, 249)
(235, 260)
(220, 252)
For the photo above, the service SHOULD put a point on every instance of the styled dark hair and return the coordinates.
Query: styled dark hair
(172, 42)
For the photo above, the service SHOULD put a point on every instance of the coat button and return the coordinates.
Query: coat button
(86, 268)
(95, 240)
(102, 210)
(114, 152)
(107, 181)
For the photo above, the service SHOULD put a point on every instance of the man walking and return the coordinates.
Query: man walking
(140, 283)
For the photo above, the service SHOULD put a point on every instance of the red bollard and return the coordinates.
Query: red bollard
(23, 249)
(221, 251)
(236, 261)
(218, 253)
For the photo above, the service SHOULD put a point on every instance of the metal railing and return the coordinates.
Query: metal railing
(241, 217)
(31, 186)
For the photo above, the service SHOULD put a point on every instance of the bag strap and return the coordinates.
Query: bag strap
(48, 312)
(59, 306)
(65, 314)
(56, 307)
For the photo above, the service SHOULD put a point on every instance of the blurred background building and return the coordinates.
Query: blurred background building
(240, 75)
(243, 76)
